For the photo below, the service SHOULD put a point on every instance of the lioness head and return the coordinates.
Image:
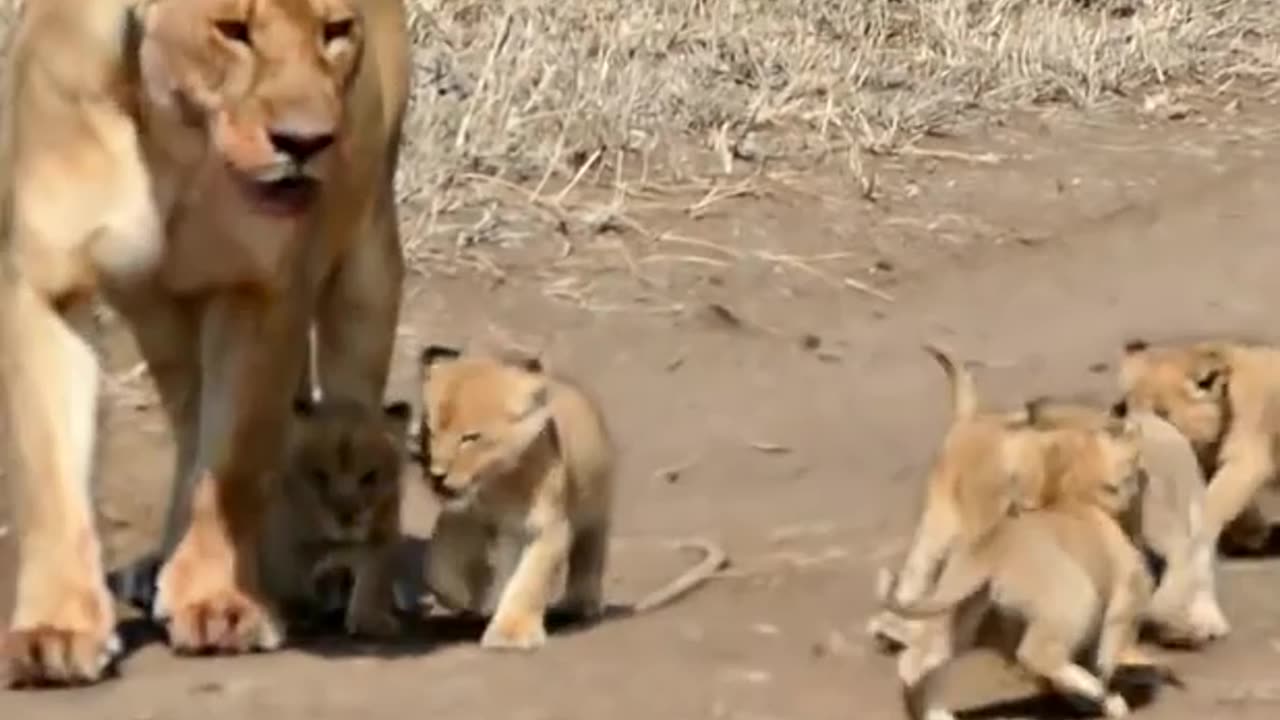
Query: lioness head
(1184, 384)
(480, 414)
(343, 467)
(260, 83)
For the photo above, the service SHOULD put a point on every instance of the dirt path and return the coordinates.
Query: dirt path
(805, 462)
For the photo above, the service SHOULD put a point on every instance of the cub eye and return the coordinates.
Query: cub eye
(319, 478)
(233, 30)
(337, 30)
(470, 437)
(369, 480)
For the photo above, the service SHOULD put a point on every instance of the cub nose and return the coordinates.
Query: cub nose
(438, 484)
(300, 147)
(346, 518)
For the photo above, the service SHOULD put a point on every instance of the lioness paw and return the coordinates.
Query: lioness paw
(520, 632)
(208, 609)
(62, 651)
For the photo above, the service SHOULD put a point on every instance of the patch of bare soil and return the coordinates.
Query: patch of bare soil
(760, 364)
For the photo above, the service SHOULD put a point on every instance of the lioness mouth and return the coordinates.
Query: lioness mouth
(289, 195)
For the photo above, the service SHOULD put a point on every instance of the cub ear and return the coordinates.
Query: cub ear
(1119, 409)
(434, 354)
(1133, 346)
(1209, 374)
(396, 417)
(303, 407)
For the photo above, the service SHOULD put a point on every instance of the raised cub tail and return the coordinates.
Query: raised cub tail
(964, 393)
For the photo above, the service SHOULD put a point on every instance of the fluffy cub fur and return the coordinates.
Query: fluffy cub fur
(1223, 397)
(337, 508)
(1043, 587)
(523, 465)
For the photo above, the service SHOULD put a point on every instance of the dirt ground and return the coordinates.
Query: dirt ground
(761, 400)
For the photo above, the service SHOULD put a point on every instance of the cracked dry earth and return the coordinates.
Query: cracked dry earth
(794, 426)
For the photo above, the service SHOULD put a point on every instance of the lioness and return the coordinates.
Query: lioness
(1222, 396)
(337, 508)
(523, 465)
(221, 172)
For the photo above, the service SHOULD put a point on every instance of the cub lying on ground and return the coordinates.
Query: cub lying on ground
(523, 465)
(337, 508)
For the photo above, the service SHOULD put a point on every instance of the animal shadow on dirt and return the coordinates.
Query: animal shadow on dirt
(322, 633)
(1137, 685)
(1269, 550)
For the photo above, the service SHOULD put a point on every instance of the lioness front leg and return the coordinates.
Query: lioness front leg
(359, 307)
(63, 624)
(518, 621)
(209, 589)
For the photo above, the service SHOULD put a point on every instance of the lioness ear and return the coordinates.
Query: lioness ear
(434, 354)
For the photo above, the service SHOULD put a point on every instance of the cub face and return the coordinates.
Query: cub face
(1184, 384)
(343, 469)
(479, 416)
(262, 83)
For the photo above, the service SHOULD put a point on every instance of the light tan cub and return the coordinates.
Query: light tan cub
(336, 508)
(523, 465)
(1041, 588)
(1223, 397)
(1184, 609)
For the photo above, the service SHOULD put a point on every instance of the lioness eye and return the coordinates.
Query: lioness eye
(470, 437)
(234, 30)
(337, 30)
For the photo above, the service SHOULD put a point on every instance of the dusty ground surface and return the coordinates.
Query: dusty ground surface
(798, 434)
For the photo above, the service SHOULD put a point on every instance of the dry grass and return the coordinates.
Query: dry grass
(587, 92)
(529, 112)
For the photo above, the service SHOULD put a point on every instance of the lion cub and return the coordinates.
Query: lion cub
(522, 463)
(1044, 583)
(1222, 396)
(336, 508)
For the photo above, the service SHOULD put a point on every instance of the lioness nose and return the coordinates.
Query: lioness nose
(300, 147)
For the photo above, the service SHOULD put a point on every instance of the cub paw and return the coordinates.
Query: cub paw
(521, 632)
(1114, 706)
(208, 608)
(378, 624)
(63, 633)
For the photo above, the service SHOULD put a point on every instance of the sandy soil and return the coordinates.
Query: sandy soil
(793, 424)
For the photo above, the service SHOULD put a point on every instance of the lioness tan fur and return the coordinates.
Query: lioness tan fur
(1222, 396)
(1040, 588)
(336, 508)
(221, 172)
(523, 464)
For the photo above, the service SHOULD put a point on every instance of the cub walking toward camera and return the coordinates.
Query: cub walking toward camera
(523, 465)
(337, 508)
